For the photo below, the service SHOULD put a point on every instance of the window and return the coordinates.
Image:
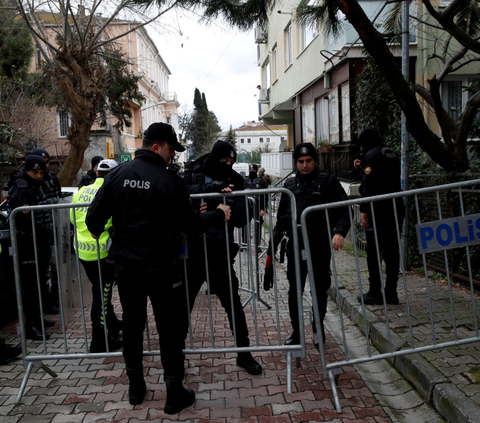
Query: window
(266, 74)
(288, 46)
(308, 123)
(261, 139)
(249, 140)
(274, 64)
(268, 139)
(307, 35)
(64, 122)
(333, 112)
(345, 113)
(455, 95)
(242, 141)
(321, 119)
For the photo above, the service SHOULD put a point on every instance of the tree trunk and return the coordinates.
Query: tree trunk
(79, 141)
(404, 95)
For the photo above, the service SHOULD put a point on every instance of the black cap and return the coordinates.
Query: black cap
(35, 163)
(221, 150)
(40, 152)
(96, 160)
(254, 167)
(163, 132)
(305, 149)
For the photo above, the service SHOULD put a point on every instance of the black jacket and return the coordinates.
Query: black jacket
(26, 191)
(88, 178)
(201, 178)
(380, 174)
(311, 190)
(150, 208)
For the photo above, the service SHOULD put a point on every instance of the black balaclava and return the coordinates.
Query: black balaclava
(214, 167)
(368, 139)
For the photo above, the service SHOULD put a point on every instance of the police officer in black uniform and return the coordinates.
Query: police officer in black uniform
(150, 207)
(213, 172)
(254, 181)
(310, 188)
(89, 177)
(53, 192)
(27, 189)
(380, 175)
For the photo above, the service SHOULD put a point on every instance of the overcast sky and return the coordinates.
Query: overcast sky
(218, 60)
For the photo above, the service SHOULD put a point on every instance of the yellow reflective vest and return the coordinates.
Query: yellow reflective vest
(87, 246)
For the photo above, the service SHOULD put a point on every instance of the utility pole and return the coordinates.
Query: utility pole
(405, 146)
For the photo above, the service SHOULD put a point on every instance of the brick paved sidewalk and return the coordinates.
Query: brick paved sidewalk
(96, 390)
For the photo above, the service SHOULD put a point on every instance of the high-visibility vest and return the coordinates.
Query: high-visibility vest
(87, 246)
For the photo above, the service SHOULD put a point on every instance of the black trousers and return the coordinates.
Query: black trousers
(28, 274)
(387, 236)
(321, 256)
(218, 270)
(166, 292)
(101, 296)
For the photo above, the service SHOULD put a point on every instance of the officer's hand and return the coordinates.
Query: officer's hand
(228, 189)
(357, 164)
(203, 207)
(226, 209)
(364, 219)
(337, 242)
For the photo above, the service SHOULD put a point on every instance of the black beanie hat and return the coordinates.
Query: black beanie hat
(40, 152)
(35, 163)
(222, 150)
(96, 160)
(305, 149)
(369, 138)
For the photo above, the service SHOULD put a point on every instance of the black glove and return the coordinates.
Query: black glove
(268, 276)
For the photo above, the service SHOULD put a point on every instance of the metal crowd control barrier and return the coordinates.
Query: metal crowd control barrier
(432, 235)
(70, 339)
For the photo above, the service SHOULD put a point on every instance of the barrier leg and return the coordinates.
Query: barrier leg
(23, 385)
(289, 372)
(333, 376)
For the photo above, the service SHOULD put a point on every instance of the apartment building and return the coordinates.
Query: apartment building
(308, 80)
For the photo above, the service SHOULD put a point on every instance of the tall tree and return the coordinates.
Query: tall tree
(85, 66)
(203, 126)
(231, 138)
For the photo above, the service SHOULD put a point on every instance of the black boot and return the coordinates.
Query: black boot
(114, 326)
(8, 352)
(97, 345)
(34, 332)
(137, 388)
(246, 361)
(178, 397)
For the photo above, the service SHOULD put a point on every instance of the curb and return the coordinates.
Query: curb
(445, 398)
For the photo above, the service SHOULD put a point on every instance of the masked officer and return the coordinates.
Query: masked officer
(88, 255)
(27, 189)
(311, 188)
(150, 207)
(213, 172)
(380, 175)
